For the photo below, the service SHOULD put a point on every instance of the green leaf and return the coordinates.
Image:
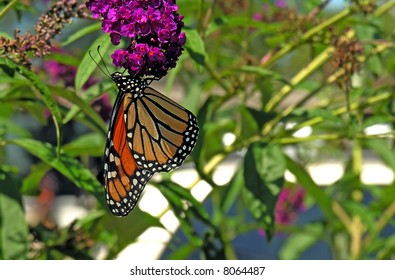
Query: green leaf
(88, 95)
(248, 125)
(303, 178)
(297, 243)
(88, 144)
(177, 195)
(11, 127)
(31, 183)
(204, 117)
(33, 107)
(8, 66)
(82, 33)
(68, 166)
(264, 168)
(88, 65)
(127, 229)
(83, 106)
(63, 58)
(261, 72)
(195, 47)
(186, 207)
(232, 191)
(192, 96)
(92, 216)
(182, 252)
(13, 227)
(261, 117)
(46, 95)
(241, 21)
(382, 149)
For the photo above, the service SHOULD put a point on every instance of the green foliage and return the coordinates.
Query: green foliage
(264, 168)
(294, 88)
(13, 228)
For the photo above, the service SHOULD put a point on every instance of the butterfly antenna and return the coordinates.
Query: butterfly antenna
(102, 61)
(107, 74)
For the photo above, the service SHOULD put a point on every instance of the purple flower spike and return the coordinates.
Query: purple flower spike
(153, 28)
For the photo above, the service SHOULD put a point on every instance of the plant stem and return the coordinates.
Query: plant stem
(383, 220)
(218, 79)
(332, 78)
(7, 8)
(353, 106)
(299, 77)
(306, 36)
(381, 9)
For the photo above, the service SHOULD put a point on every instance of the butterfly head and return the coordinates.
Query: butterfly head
(128, 82)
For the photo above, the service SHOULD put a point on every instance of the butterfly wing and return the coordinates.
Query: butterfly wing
(124, 180)
(160, 132)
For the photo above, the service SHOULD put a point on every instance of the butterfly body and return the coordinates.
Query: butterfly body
(148, 133)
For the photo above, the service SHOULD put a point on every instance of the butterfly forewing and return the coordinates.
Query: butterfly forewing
(162, 133)
(124, 179)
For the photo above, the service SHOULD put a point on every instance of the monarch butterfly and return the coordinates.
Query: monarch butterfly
(148, 133)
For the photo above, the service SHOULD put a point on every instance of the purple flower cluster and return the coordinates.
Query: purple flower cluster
(153, 28)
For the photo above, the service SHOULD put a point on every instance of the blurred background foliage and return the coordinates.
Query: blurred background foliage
(278, 87)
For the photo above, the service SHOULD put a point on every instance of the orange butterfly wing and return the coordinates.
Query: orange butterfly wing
(148, 133)
(124, 180)
(160, 132)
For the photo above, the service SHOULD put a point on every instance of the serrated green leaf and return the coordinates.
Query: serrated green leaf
(264, 168)
(88, 65)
